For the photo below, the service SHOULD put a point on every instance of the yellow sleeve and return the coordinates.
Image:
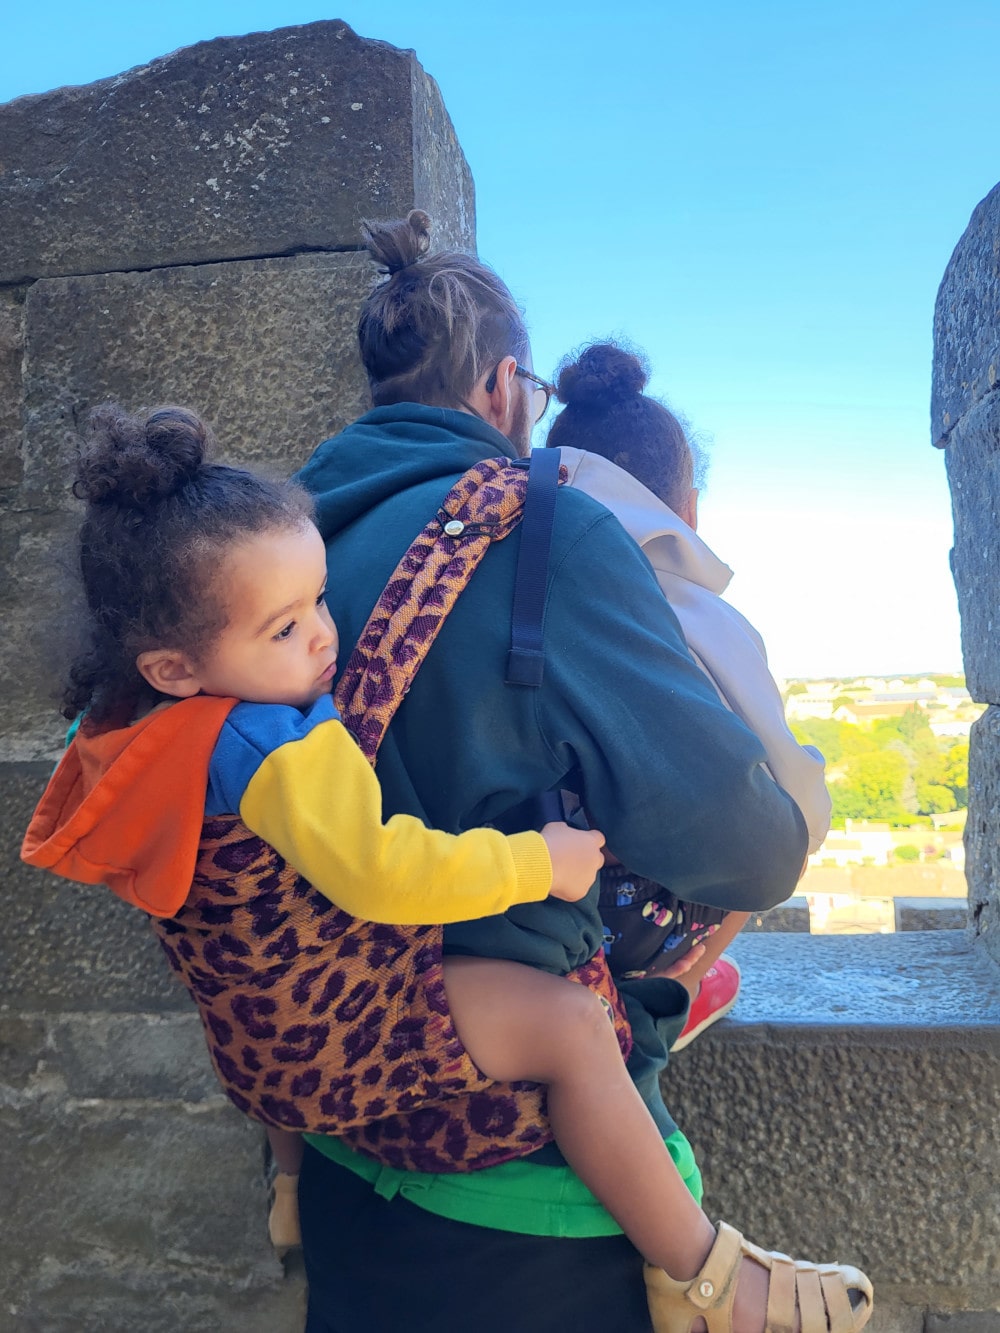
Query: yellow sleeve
(318, 803)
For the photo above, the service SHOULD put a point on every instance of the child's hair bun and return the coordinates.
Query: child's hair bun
(134, 461)
(604, 374)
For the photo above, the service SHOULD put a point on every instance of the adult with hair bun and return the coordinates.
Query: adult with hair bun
(622, 715)
(632, 454)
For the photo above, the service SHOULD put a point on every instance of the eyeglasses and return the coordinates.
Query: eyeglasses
(542, 393)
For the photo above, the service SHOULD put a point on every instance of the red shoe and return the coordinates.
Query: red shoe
(717, 994)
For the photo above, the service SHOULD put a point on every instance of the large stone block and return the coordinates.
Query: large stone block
(847, 1109)
(264, 349)
(269, 144)
(967, 321)
(973, 464)
(790, 916)
(982, 831)
(930, 914)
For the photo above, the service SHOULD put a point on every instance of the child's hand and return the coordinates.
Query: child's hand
(576, 858)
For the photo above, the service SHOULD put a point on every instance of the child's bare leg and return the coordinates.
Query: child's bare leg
(519, 1023)
(286, 1149)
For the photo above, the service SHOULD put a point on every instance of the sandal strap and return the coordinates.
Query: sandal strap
(818, 1293)
(812, 1307)
(720, 1270)
(838, 1303)
(781, 1295)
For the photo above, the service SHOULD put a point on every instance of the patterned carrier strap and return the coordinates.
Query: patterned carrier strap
(484, 506)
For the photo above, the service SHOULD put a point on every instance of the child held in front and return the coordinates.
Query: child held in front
(205, 586)
(632, 454)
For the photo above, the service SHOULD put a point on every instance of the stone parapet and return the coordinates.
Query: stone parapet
(848, 1109)
(967, 323)
(792, 915)
(930, 914)
(973, 464)
(185, 232)
(982, 832)
(265, 350)
(243, 147)
(965, 417)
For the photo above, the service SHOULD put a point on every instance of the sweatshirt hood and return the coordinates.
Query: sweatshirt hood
(670, 546)
(125, 807)
(390, 450)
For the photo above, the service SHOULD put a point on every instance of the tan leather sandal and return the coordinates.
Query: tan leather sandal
(283, 1222)
(830, 1298)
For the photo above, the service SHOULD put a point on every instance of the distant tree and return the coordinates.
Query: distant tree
(834, 739)
(872, 787)
(933, 799)
(955, 773)
(911, 727)
(907, 852)
(842, 701)
(796, 687)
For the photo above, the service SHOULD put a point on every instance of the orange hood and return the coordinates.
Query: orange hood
(125, 807)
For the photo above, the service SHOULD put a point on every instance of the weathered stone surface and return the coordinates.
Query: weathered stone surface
(982, 831)
(127, 1214)
(66, 946)
(108, 1056)
(848, 1107)
(973, 464)
(979, 1321)
(893, 1316)
(96, 1298)
(265, 350)
(269, 144)
(967, 321)
(930, 914)
(11, 352)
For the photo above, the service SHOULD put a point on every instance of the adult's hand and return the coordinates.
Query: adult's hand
(676, 970)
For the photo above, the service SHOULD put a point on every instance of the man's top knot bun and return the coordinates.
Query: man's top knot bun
(397, 245)
(135, 461)
(602, 376)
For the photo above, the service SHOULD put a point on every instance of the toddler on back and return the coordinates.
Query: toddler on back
(205, 690)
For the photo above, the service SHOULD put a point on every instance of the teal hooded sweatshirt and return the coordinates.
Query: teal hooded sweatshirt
(623, 715)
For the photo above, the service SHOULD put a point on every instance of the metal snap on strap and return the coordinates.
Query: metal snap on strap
(455, 528)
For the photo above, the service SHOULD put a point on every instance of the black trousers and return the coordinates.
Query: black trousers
(379, 1265)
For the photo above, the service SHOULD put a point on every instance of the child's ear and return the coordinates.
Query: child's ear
(688, 511)
(169, 672)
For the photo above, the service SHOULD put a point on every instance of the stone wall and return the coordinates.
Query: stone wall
(185, 232)
(965, 422)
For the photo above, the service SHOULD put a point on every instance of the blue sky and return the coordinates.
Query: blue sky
(762, 196)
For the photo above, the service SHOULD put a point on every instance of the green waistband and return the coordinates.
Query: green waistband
(521, 1196)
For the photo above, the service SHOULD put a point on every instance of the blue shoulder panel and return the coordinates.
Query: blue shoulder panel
(250, 733)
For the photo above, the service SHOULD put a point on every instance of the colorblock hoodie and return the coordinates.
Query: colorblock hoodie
(125, 808)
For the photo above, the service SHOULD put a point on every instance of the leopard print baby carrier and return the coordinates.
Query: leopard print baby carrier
(317, 1020)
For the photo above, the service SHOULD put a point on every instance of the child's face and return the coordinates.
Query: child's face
(280, 645)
